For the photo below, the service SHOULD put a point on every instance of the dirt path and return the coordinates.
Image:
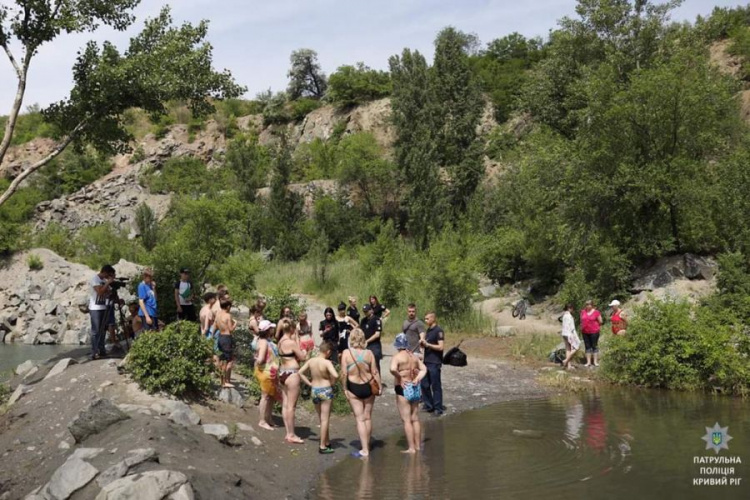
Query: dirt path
(538, 320)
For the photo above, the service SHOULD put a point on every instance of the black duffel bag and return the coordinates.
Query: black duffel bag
(455, 356)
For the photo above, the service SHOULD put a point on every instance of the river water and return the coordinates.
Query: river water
(612, 444)
(12, 355)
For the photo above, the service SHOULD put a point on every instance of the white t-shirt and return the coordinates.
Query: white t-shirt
(185, 289)
(96, 302)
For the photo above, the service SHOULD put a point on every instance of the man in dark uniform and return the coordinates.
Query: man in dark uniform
(433, 342)
(372, 326)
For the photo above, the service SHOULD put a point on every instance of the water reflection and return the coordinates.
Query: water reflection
(598, 445)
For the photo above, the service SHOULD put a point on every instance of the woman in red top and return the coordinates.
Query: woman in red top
(591, 325)
(619, 320)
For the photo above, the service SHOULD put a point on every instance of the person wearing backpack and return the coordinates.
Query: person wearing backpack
(433, 342)
(408, 371)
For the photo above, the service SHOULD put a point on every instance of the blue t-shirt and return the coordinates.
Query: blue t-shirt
(146, 294)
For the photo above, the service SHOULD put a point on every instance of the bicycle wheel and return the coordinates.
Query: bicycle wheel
(516, 311)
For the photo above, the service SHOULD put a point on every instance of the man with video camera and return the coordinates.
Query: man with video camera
(100, 307)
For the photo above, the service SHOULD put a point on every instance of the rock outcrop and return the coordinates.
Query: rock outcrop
(669, 269)
(95, 418)
(41, 307)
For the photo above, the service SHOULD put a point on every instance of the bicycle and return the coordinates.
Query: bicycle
(519, 310)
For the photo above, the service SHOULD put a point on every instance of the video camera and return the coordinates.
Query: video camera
(119, 283)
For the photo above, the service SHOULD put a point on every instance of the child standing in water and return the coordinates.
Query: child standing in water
(323, 375)
(408, 372)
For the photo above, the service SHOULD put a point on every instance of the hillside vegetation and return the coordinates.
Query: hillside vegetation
(619, 142)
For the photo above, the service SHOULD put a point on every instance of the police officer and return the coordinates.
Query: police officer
(372, 326)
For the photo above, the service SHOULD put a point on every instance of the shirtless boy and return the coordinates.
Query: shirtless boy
(408, 371)
(224, 326)
(221, 294)
(324, 375)
(206, 314)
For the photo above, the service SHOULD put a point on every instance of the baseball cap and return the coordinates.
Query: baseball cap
(184, 270)
(265, 325)
(401, 342)
(614, 303)
(366, 307)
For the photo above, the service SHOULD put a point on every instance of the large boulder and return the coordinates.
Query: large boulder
(219, 431)
(60, 367)
(95, 418)
(121, 468)
(73, 475)
(152, 485)
(668, 269)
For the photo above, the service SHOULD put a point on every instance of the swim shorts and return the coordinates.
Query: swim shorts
(320, 394)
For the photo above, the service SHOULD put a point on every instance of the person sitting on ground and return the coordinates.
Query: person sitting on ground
(569, 335)
(408, 371)
(206, 314)
(147, 301)
(135, 323)
(183, 296)
(358, 371)
(225, 325)
(379, 309)
(324, 377)
(290, 355)
(266, 372)
(433, 342)
(304, 333)
(619, 319)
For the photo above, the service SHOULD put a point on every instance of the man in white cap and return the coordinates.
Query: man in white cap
(619, 319)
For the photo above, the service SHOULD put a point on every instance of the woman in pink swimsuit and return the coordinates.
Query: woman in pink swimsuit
(304, 330)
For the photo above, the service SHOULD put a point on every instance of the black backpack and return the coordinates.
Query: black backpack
(455, 357)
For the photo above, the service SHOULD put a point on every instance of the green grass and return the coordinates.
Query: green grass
(346, 278)
(536, 346)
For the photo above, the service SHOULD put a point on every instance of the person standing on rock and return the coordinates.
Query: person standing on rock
(413, 328)
(206, 314)
(591, 325)
(408, 372)
(569, 335)
(619, 318)
(433, 343)
(147, 301)
(225, 325)
(183, 296)
(372, 326)
(100, 288)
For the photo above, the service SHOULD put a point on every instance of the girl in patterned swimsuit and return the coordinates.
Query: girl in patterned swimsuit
(323, 375)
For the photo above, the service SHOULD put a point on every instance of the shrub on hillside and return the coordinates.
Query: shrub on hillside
(351, 85)
(34, 262)
(175, 361)
(302, 107)
(452, 277)
(280, 297)
(186, 175)
(676, 345)
(238, 273)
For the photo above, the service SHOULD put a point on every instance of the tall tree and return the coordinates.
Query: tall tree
(286, 208)
(162, 63)
(413, 115)
(459, 96)
(306, 79)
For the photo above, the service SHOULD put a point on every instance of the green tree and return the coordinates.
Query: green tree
(285, 207)
(71, 171)
(250, 163)
(413, 116)
(352, 85)
(459, 96)
(306, 79)
(161, 63)
(147, 225)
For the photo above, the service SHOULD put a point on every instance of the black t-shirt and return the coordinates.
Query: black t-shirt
(371, 326)
(379, 310)
(353, 313)
(433, 335)
(330, 331)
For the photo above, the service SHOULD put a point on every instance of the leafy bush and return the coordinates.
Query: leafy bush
(238, 272)
(453, 280)
(275, 111)
(13, 216)
(176, 361)
(29, 126)
(351, 85)
(675, 345)
(57, 238)
(502, 255)
(186, 175)
(250, 162)
(243, 352)
(302, 107)
(280, 297)
(145, 221)
(71, 171)
(104, 244)
(34, 262)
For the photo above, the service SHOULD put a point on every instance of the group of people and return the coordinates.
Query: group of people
(591, 321)
(350, 352)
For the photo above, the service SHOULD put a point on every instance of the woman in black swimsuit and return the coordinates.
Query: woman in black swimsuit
(290, 355)
(358, 369)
